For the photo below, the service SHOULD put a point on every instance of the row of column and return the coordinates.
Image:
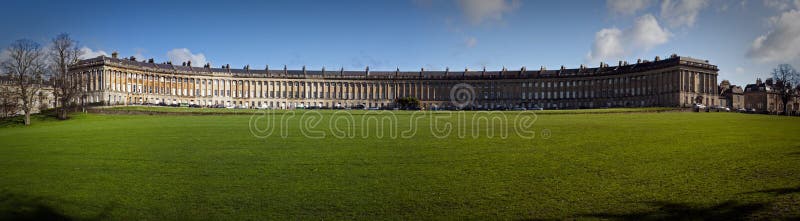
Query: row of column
(156, 84)
(606, 87)
(647, 84)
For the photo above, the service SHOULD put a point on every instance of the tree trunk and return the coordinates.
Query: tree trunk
(62, 113)
(785, 105)
(785, 109)
(27, 118)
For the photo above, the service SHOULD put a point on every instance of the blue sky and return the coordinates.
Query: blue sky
(745, 38)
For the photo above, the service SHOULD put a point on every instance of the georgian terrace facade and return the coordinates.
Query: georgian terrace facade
(672, 82)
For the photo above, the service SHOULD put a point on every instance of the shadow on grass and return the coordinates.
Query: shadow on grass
(21, 207)
(47, 115)
(17, 207)
(729, 210)
(779, 191)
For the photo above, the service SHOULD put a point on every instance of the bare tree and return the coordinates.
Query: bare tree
(64, 52)
(785, 76)
(25, 67)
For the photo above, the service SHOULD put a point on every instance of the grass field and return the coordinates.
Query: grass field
(669, 165)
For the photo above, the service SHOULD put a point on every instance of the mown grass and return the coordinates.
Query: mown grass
(671, 165)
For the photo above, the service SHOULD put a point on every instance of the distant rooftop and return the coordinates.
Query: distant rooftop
(248, 71)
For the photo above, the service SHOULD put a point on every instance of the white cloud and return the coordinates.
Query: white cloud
(613, 43)
(607, 44)
(647, 33)
(627, 7)
(180, 55)
(479, 11)
(470, 42)
(723, 7)
(739, 70)
(681, 12)
(87, 53)
(4, 55)
(139, 55)
(782, 43)
(777, 4)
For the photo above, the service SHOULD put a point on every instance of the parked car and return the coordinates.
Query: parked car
(741, 110)
(699, 107)
(519, 109)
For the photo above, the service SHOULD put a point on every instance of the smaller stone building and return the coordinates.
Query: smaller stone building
(44, 98)
(731, 96)
(762, 98)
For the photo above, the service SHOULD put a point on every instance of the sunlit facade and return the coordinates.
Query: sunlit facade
(672, 82)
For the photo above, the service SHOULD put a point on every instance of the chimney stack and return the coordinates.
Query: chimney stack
(114, 54)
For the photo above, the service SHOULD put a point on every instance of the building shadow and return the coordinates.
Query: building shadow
(729, 210)
(778, 191)
(27, 208)
(18, 207)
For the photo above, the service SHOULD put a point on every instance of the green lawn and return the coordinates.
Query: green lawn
(669, 165)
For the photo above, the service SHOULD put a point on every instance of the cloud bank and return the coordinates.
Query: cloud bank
(480, 11)
(613, 43)
(682, 12)
(180, 55)
(470, 42)
(87, 53)
(627, 7)
(782, 43)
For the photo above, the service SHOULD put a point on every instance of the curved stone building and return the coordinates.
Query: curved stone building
(672, 82)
